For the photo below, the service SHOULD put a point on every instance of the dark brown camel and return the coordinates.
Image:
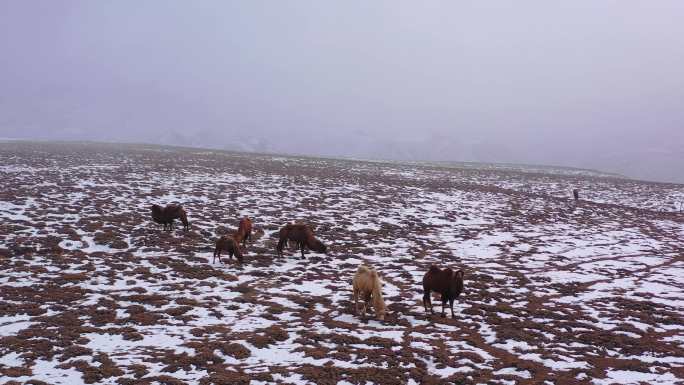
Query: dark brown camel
(447, 282)
(302, 235)
(231, 245)
(166, 215)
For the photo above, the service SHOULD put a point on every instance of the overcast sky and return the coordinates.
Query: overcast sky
(596, 84)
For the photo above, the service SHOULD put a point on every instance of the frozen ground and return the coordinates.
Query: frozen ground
(557, 292)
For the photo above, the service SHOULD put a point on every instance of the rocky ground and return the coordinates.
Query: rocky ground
(556, 291)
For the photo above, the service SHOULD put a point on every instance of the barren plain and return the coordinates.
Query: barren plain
(556, 291)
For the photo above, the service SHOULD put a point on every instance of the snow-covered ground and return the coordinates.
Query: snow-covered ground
(556, 291)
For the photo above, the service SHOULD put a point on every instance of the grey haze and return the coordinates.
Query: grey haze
(595, 84)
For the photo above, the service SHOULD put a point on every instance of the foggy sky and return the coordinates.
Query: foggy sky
(597, 84)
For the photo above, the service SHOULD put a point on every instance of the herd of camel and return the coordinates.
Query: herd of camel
(367, 284)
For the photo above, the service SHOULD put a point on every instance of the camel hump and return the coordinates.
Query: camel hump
(374, 273)
(173, 208)
(433, 269)
(367, 271)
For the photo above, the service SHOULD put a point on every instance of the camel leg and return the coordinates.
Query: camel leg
(248, 236)
(451, 305)
(427, 300)
(217, 253)
(184, 219)
(279, 248)
(444, 301)
(367, 300)
(364, 309)
(302, 249)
